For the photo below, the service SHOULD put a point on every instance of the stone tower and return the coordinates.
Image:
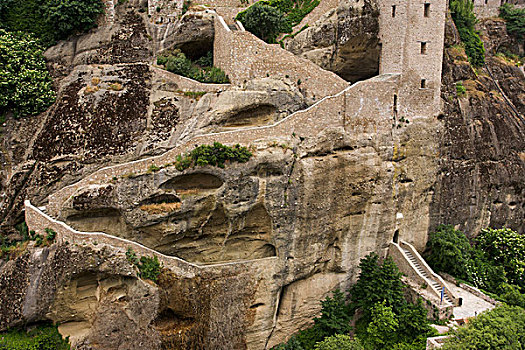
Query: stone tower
(412, 35)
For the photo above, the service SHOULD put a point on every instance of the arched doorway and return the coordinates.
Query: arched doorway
(396, 237)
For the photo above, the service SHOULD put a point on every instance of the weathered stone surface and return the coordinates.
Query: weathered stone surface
(480, 182)
(345, 41)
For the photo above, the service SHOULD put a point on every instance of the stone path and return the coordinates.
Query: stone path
(472, 304)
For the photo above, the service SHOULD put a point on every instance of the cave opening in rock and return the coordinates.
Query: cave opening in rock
(196, 49)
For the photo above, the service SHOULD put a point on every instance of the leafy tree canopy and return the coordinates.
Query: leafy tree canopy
(265, 22)
(515, 19)
(25, 84)
(448, 250)
(502, 328)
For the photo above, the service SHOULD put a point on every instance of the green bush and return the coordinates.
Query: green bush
(339, 342)
(25, 85)
(149, 268)
(177, 62)
(44, 337)
(448, 250)
(268, 18)
(265, 22)
(465, 19)
(215, 155)
(460, 88)
(50, 20)
(515, 19)
(502, 328)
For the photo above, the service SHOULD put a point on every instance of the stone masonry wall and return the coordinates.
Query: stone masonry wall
(412, 34)
(243, 57)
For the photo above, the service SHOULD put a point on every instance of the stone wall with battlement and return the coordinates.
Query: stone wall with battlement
(366, 106)
(243, 56)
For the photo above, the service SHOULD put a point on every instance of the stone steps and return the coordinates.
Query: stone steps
(434, 284)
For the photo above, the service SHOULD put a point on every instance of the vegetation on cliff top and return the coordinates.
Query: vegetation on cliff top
(50, 20)
(25, 85)
(27, 27)
(267, 19)
(201, 70)
(462, 12)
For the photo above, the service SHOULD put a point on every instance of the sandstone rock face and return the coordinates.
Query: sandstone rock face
(262, 241)
(344, 41)
(480, 183)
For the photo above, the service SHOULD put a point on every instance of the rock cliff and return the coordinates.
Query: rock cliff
(261, 242)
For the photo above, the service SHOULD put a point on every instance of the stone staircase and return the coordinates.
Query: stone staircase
(422, 281)
(434, 283)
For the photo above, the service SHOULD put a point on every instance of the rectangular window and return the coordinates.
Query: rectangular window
(393, 10)
(423, 48)
(423, 83)
(427, 10)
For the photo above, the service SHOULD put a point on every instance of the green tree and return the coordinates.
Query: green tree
(71, 16)
(339, 342)
(507, 249)
(448, 250)
(334, 318)
(462, 12)
(383, 327)
(25, 84)
(377, 283)
(515, 19)
(50, 20)
(502, 328)
(265, 22)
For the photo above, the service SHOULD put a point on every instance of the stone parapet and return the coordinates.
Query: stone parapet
(243, 57)
(425, 284)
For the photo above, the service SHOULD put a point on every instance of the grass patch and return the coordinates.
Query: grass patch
(43, 337)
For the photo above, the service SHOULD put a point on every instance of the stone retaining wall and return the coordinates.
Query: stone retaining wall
(243, 57)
